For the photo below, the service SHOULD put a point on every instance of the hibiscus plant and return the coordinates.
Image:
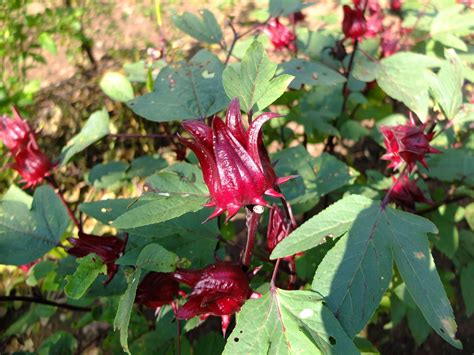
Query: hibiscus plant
(313, 180)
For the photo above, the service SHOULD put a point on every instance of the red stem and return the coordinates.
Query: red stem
(252, 225)
(275, 272)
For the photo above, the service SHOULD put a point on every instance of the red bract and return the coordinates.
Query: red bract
(407, 143)
(32, 164)
(405, 193)
(14, 132)
(278, 228)
(280, 35)
(375, 19)
(108, 248)
(219, 289)
(157, 289)
(390, 42)
(234, 162)
(354, 24)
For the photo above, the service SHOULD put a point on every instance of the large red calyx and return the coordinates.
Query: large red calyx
(280, 35)
(405, 193)
(219, 289)
(157, 289)
(29, 161)
(235, 165)
(354, 24)
(408, 144)
(108, 248)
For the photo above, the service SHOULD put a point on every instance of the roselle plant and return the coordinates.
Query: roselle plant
(304, 204)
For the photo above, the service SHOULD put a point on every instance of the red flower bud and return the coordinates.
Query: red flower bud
(14, 132)
(405, 193)
(278, 228)
(280, 35)
(235, 165)
(354, 25)
(108, 248)
(157, 289)
(407, 143)
(219, 289)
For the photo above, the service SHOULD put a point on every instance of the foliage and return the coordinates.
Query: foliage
(332, 251)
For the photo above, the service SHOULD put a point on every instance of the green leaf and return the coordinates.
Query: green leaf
(158, 208)
(450, 24)
(311, 73)
(254, 82)
(469, 215)
(355, 273)
(179, 178)
(60, 342)
(154, 257)
(416, 266)
(453, 165)
(124, 311)
(404, 76)
(116, 86)
(26, 235)
(467, 287)
(286, 7)
(446, 86)
(47, 43)
(14, 193)
(145, 166)
(89, 268)
(320, 175)
(96, 127)
(333, 221)
(205, 29)
(288, 322)
(184, 91)
(108, 175)
(418, 326)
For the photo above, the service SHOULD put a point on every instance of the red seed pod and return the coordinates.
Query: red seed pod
(218, 289)
(157, 289)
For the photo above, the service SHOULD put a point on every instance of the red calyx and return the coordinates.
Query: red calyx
(390, 42)
(375, 19)
(235, 165)
(395, 5)
(280, 35)
(30, 162)
(14, 132)
(407, 143)
(405, 193)
(157, 289)
(218, 289)
(354, 24)
(108, 248)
